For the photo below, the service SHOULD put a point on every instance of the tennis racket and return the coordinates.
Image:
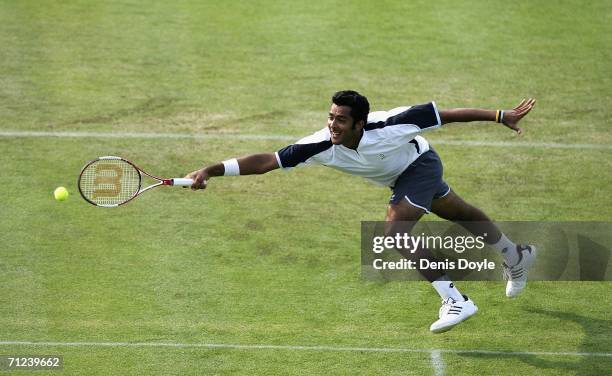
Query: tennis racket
(112, 181)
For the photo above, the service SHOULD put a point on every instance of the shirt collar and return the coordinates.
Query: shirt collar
(363, 140)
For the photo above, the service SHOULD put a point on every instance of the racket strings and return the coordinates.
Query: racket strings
(109, 181)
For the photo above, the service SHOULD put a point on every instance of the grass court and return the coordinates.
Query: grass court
(261, 275)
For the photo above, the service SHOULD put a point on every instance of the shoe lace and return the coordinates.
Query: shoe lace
(511, 272)
(446, 306)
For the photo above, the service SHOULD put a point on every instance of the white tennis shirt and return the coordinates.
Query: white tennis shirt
(390, 143)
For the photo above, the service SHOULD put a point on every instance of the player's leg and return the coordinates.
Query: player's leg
(401, 218)
(453, 208)
(412, 197)
(517, 258)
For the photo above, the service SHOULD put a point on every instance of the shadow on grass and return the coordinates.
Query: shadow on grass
(596, 331)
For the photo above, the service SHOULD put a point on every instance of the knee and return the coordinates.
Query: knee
(398, 222)
(401, 218)
(392, 228)
(403, 211)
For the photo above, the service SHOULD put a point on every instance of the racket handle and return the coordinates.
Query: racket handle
(182, 182)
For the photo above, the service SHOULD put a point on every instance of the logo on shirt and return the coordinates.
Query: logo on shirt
(381, 156)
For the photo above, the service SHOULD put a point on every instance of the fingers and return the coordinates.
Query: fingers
(525, 108)
(526, 104)
(519, 105)
(199, 185)
(517, 113)
(199, 180)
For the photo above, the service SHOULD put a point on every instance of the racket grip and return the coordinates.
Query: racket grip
(182, 182)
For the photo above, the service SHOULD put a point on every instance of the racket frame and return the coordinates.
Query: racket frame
(160, 181)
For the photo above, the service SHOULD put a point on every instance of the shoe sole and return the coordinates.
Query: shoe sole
(447, 328)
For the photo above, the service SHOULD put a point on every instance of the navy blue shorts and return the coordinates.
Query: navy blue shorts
(421, 182)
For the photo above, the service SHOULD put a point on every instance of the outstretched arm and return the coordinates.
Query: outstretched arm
(510, 118)
(253, 164)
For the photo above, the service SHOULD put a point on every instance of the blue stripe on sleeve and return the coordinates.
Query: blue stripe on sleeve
(295, 154)
(422, 115)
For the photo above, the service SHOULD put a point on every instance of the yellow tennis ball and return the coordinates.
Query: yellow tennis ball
(61, 194)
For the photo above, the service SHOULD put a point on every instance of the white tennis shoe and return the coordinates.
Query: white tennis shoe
(452, 313)
(517, 275)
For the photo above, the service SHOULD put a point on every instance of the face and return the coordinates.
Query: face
(340, 124)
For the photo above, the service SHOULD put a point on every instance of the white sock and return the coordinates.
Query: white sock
(507, 249)
(446, 289)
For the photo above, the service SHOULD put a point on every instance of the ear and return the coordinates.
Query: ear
(359, 125)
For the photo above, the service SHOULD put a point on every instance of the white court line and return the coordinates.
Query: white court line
(233, 136)
(437, 362)
(297, 348)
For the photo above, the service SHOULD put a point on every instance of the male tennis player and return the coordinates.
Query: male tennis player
(387, 148)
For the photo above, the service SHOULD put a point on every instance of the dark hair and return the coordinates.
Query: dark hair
(360, 107)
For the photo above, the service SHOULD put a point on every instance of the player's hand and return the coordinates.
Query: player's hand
(200, 179)
(512, 117)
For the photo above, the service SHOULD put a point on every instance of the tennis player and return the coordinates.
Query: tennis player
(386, 147)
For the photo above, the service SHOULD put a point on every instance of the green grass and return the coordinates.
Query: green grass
(274, 259)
